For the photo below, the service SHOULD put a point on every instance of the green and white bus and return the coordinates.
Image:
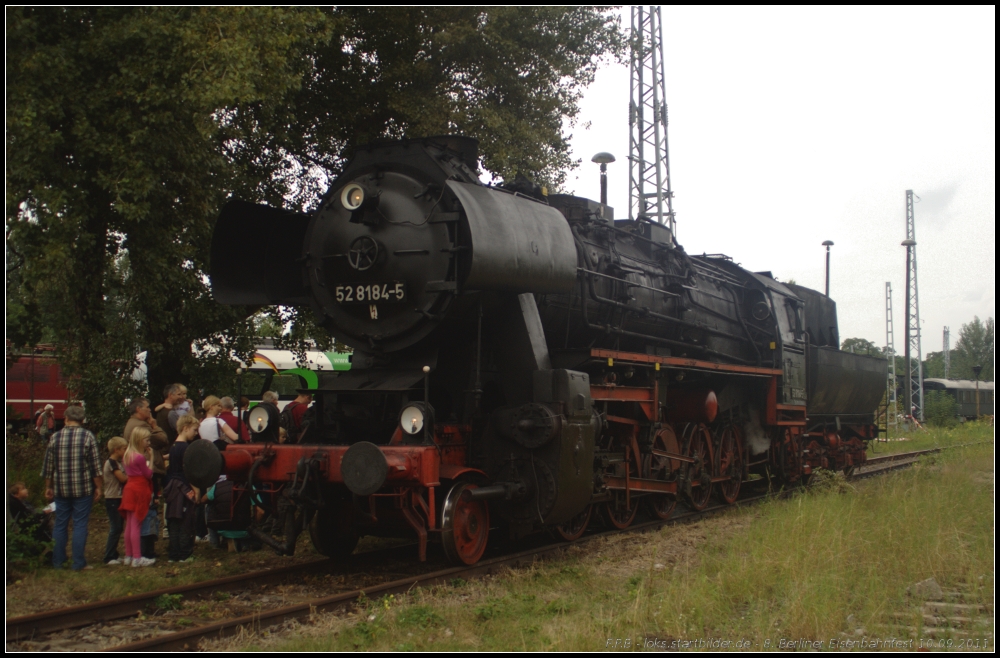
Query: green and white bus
(278, 371)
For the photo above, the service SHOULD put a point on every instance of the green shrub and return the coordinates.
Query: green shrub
(169, 602)
(364, 633)
(939, 409)
(24, 463)
(24, 546)
(421, 616)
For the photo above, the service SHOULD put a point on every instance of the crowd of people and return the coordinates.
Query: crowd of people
(142, 481)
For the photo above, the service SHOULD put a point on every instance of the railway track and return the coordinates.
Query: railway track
(34, 625)
(894, 461)
(30, 627)
(884, 463)
(903, 456)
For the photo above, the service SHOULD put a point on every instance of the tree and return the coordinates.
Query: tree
(861, 346)
(509, 76)
(934, 365)
(129, 128)
(118, 159)
(939, 408)
(975, 347)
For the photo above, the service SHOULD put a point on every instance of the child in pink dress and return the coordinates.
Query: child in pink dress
(136, 495)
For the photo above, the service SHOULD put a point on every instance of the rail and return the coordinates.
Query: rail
(32, 626)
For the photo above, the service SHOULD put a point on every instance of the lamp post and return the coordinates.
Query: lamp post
(427, 405)
(603, 158)
(977, 370)
(239, 399)
(909, 244)
(828, 244)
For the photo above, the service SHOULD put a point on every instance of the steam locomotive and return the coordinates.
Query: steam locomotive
(523, 361)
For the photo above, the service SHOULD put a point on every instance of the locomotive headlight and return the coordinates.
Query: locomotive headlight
(352, 196)
(412, 419)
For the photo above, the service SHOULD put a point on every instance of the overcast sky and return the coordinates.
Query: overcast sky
(789, 127)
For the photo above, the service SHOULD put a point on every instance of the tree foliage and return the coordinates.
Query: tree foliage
(939, 409)
(975, 347)
(861, 346)
(934, 366)
(508, 76)
(117, 163)
(128, 128)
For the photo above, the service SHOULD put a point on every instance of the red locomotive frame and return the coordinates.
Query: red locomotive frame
(690, 457)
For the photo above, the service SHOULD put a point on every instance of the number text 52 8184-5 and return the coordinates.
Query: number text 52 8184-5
(370, 292)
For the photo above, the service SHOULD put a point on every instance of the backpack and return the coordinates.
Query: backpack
(307, 420)
(287, 420)
(45, 424)
(229, 508)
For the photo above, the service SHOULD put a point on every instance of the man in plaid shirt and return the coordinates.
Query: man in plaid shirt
(73, 477)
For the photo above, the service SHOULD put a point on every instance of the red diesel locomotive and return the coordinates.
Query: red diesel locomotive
(34, 380)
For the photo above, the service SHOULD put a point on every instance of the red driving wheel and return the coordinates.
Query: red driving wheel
(575, 527)
(698, 442)
(730, 463)
(663, 468)
(465, 525)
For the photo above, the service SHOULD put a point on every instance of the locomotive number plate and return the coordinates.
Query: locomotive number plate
(367, 293)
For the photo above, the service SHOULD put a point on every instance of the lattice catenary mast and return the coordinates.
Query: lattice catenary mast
(650, 194)
(890, 352)
(946, 346)
(914, 357)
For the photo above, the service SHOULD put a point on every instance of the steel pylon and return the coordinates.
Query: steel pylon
(650, 194)
(946, 346)
(915, 378)
(892, 410)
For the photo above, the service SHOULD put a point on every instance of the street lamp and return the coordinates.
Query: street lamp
(828, 244)
(977, 370)
(603, 158)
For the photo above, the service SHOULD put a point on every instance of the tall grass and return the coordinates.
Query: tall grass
(809, 563)
(835, 559)
(901, 440)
